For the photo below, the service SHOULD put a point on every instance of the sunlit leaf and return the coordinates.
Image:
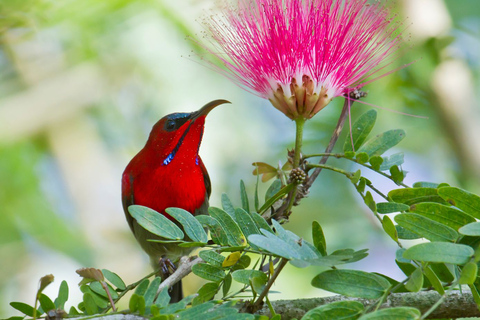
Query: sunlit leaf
(24, 308)
(155, 222)
(367, 285)
(434, 280)
(376, 162)
(267, 171)
(231, 259)
(362, 157)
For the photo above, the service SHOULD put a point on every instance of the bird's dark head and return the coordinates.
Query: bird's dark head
(180, 133)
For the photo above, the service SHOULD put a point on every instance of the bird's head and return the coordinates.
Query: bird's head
(179, 133)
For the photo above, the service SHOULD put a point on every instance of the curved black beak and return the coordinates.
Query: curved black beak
(203, 111)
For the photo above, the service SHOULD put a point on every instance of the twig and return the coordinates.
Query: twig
(184, 268)
(265, 291)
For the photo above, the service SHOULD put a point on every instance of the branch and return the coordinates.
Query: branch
(456, 305)
(184, 268)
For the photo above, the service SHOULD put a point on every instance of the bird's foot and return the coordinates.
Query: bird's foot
(167, 268)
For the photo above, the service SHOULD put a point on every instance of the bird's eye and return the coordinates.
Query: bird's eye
(170, 125)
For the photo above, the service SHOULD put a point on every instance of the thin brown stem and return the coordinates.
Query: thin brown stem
(333, 140)
(265, 291)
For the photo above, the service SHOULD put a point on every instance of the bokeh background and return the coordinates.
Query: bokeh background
(82, 82)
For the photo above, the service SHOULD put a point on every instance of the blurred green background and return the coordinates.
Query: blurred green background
(82, 82)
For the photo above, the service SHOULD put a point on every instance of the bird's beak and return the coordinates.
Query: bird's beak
(207, 108)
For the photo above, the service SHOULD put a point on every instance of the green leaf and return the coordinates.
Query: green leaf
(352, 283)
(260, 222)
(376, 162)
(415, 281)
(434, 281)
(356, 177)
(114, 279)
(100, 301)
(442, 271)
(361, 128)
(227, 284)
(446, 215)
(243, 195)
(429, 229)
(471, 229)
(389, 207)
(98, 289)
(279, 195)
(152, 291)
(273, 189)
(232, 230)
(274, 245)
(440, 252)
(205, 293)
(24, 308)
(396, 174)
(62, 296)
(406, 234)
(362, 157)
(195, 312)
(464, 200)
(192, 227)
(389, 228)
(397, 313)
(382, 142)
(395, 159)
(89, 304)
(469, 273)
(227, 205)
(411, 196)
(242, 263)
(208, 272)
(142, 287)
(219, 236)
(319, 238)
(137, 304)
(245, 222)
(155, 222)
(213, 258)
(244, 276)
(370, 202)
(163, 298)
(46, 303)
(340, 310)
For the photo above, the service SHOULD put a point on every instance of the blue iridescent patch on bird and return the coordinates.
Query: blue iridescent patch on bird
(168, 159)
(196, 160)
(178, 115)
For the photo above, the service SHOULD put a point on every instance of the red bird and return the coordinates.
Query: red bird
(168, 172)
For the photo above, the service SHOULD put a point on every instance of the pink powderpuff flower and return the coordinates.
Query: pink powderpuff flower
(300, 54)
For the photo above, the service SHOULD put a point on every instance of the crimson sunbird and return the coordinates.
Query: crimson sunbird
(168, 172)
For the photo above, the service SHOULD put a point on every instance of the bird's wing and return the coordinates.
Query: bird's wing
(206, 179)
(128, 196)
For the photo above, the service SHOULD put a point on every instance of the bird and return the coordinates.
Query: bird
(168, 172)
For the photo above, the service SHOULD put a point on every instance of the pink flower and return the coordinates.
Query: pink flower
(302, 54)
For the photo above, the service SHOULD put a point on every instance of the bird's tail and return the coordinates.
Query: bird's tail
(176, 292)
